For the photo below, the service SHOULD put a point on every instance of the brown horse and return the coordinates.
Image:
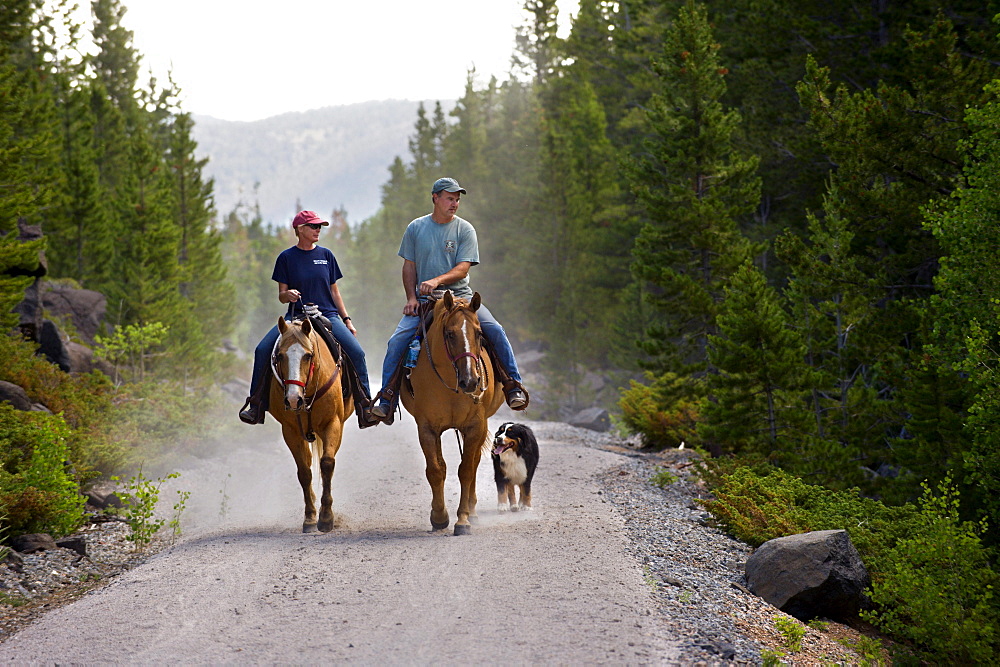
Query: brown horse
(309, 404)
(453, 387)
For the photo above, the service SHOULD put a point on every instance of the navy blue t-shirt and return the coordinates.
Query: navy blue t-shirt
(311, 272)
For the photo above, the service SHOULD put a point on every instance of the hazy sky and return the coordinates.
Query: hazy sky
(250, 59)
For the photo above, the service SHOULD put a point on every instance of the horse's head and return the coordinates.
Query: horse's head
(462, 336)
(294, 360)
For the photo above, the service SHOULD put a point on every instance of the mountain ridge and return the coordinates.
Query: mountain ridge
(320, 159)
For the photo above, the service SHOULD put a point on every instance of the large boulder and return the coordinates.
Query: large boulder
(595, 419)
(53, 345)
(15, 395)
(32, 542)
(83, 308)
(810, 575)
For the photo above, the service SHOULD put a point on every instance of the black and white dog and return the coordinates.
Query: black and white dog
(515, 456)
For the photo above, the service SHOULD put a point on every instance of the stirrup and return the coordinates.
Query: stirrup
(251, 414)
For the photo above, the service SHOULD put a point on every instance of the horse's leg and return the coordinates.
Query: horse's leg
(328, 460)
(436, 471)
(472, 452)
(302, 453)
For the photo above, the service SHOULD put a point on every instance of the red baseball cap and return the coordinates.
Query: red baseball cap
(307, 218)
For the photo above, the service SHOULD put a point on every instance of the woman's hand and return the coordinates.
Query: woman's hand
(350, 327)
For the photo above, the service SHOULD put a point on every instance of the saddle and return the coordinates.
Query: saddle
(351, 384)
(425, 312)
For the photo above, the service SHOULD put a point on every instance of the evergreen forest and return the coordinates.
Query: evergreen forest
(773, 223)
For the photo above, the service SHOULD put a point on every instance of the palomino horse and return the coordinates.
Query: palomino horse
(453, 387)
(308, 403)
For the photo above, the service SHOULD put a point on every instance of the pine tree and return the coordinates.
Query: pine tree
(578, 270)
(537, 47)
(211, 300)
(835, 306)
(694, 188)
(967, 306)
(28, 174)
(755, 395)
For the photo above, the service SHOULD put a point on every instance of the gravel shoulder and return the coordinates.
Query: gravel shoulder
(608, 569)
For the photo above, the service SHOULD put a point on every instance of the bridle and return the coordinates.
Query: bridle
(307, 401)
(481, 366)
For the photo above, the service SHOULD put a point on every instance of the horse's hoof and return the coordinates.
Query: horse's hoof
(473, 518)
(325, 526)
(463, 529)
(439, 526)
(308, 528)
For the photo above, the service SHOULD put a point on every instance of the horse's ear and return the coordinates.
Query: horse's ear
(306, 326)
(282, 325)
(476, 302)
(449, 300)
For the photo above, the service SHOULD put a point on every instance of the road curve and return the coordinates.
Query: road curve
(243, 585)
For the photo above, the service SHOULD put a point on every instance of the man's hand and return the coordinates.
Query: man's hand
(426, 287)
(411, 306)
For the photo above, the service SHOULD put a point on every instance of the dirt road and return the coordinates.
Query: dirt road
(244, 585)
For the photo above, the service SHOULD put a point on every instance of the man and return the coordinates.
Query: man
(438, 250)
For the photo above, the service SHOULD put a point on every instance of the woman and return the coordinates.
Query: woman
(305, 273)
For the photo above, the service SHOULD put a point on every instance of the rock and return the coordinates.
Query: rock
(32, 542)
(84, 308)
(30, 307)
(96, 500)
(82, 360)
(237, 388)
(595, 419)
(77, 543)
(52, 345)
(113, 500)
(810, 575)
(530, 360)
(15, 395)
(14, 560)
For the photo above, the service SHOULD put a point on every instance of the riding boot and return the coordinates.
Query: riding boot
(389, 394)
(516, 394)
(253, 410)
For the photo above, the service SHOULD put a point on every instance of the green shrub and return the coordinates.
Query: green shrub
(756, 506)
(86, 402)
(791, 631)
(662, 477)
(664, 412)
(937, 588)
(38, 493)
(141, 496)
(932, 579)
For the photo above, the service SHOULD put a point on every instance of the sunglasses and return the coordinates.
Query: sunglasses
(312, 225)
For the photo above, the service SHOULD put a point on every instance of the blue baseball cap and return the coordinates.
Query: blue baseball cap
(447, 184)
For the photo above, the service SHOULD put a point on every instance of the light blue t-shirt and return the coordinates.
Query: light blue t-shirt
(436, 249)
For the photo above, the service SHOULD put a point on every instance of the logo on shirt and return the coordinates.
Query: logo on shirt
(449, 246)
(320, 261)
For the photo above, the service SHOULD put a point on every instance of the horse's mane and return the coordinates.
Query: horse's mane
(295, 328)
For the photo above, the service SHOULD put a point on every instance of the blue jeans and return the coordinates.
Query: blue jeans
(409, 324)
(347, 340)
